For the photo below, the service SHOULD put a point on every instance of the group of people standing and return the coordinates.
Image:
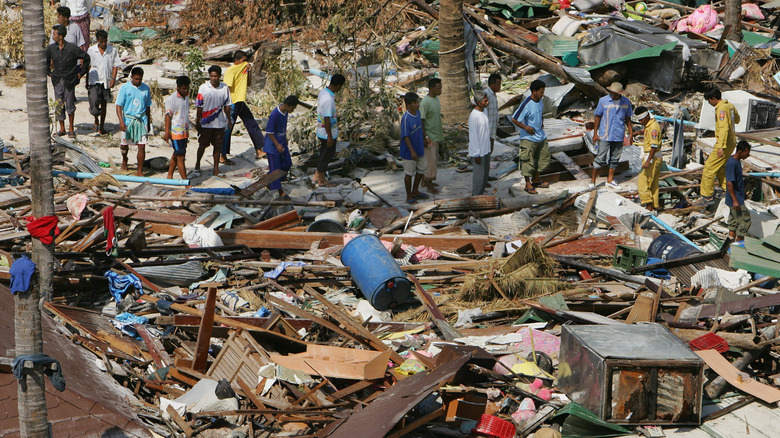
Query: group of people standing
(219, 104)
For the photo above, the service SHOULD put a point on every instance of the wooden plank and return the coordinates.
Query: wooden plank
(743, 305)
(347, 320)
(230, 322)
(586, 213)
(400, 223)
(736, 378)
(262, 182)
(204, 333)
(351, 389)
(179, 421)
(290, 217)
(439, 319)
(302, 240)
(571, 166)
(642, 311)
(153, 216)
(159, 355)
(250, 394)
(304, 314)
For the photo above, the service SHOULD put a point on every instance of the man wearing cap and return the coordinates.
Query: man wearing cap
(726, 116)
(479, 143)
(612, 117)
(651, 160)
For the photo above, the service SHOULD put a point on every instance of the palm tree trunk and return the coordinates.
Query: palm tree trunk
(734, 20)
(452, 63)
(33, 420)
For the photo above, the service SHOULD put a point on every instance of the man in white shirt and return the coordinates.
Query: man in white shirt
(213, 116)
(328, 129)
(74, 34)
(479, 143)
(104, 65)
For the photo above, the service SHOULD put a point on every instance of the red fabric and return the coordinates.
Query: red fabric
(110, 228)
(44, 228)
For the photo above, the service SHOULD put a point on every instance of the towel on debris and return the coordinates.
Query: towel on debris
(118, 284)
(43, 228)
(55, 375)
(21, 272)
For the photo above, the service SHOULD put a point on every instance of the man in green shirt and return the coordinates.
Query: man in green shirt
(430, 110)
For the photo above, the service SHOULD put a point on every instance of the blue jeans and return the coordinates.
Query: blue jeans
(240, 109)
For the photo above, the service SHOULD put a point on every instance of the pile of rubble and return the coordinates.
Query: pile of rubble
(344, 312)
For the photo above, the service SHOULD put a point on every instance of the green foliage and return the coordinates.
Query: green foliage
(193, 67)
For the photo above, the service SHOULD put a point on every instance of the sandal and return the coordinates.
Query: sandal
(411, 200)
(61, 133)
(532, 191)
(541, 185)
(227, 161)
(422, 196)
(71, 134)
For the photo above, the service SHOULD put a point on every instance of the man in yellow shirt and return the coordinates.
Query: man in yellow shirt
(651, 159)
(726, 116)
(237, 78)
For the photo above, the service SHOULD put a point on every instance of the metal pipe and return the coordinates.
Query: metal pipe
(673, 231)
(124, 178)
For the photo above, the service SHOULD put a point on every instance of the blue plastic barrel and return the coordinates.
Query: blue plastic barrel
(375, 271)
(670, 247)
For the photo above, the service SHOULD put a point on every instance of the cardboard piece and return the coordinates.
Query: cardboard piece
(737, 378)
(344, 363)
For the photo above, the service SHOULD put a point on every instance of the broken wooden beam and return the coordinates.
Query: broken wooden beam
(271, 239)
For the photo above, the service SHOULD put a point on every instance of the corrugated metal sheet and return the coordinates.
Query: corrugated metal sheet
(174, 275)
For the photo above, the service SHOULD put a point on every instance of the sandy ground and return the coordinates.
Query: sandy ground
(388, 184)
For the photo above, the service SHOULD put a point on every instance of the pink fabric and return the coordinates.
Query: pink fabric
(426, 253)
(76, 205)
(751, 11)
(702, 20)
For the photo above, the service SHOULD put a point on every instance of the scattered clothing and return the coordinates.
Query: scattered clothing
(124, 322)
(277, 271)
(118, 284)
(76, 205)
(200, 236)
(43, 229)
(39, 360)
(109, 230)
(21, 272)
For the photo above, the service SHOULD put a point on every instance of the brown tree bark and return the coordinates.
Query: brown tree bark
(733, 18)
(455, 96)
(33, 420)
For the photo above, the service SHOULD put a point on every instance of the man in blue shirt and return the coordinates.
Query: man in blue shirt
(275, 146)
(534, 151)
(739, 216)
(133, 109)
(413, 148)
(612, 117)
